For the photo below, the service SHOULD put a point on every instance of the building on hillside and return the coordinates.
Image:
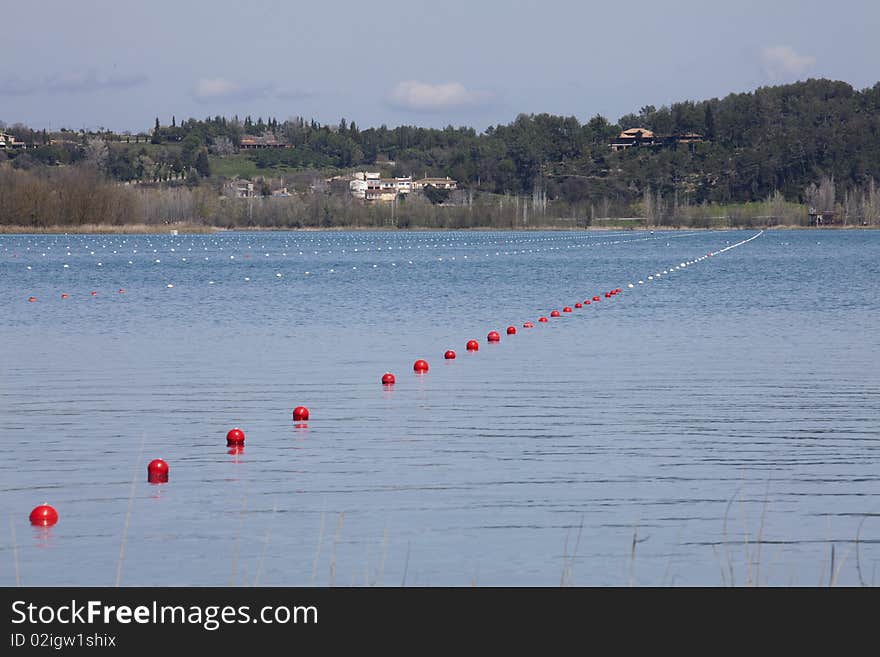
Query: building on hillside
(640, 137)
(688, 138)
(633, 137)
(241, 189)
(437, 183)
(371, 186)
(359, 183)
(268, 140)
(387, 189)
(10, 142)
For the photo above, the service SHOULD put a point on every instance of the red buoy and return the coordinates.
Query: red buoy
(493, 337)
(44, 516)
(586, 302)
(94, 294)
(235, 437)
(472, 345)
(578, 305)
(300, 414)
(63, 295)
(608, 295)
(511, 330)
(566, 309)
(157, 471)
(420, 366)
(528, 325)
(32, 299)
(449, 355)
(595, 298)
(543, 319)
(554, 313)
(388, 379)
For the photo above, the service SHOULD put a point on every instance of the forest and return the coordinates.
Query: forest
(767, 156)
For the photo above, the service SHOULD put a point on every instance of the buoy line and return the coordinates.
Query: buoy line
(421, 366)
(576, 240)
(44, 515)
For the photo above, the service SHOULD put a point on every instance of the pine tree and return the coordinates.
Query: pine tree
(709, 122)
(202, 165)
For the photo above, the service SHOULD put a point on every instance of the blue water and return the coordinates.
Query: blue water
(725, 415)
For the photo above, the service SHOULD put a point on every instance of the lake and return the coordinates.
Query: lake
(719, 422)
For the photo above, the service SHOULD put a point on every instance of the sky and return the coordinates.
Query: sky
(119, 64)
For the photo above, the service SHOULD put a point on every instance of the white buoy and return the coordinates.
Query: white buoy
(169, 285)
(630, 285)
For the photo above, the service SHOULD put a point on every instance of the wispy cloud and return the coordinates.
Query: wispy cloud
(782, 62)
(75, 82)
(425, 97)
(208, 90)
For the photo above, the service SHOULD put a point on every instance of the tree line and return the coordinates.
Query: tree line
(770, 147)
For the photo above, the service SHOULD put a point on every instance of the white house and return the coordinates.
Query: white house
(358, 185)
(437, 183)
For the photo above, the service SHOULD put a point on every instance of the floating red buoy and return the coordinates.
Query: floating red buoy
(472, 345)
(608, 295)
(511, 330)
(300, 414)
(542, 319)
(388, 379)
(555, 313)
(566, 309)
(63, 295)
(493, 336)
(235, 437)
(32, 299)
(420, 366)
(449, 355)
(94, 294)
(595, 298)
(44, 516)
(578, 305)
(122, 290)
(528, 325)
(157, 471)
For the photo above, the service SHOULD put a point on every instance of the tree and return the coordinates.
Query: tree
(709, 121)
(97, 153)
(202, 165)
(435, 194)
(222, 145)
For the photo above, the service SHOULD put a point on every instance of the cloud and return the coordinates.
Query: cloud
(218, 89)
(780, 62)
(211, 89)
(293, 94)
(69, 83)
(424, 97)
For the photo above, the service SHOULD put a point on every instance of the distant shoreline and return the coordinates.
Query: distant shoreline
(183, 229)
